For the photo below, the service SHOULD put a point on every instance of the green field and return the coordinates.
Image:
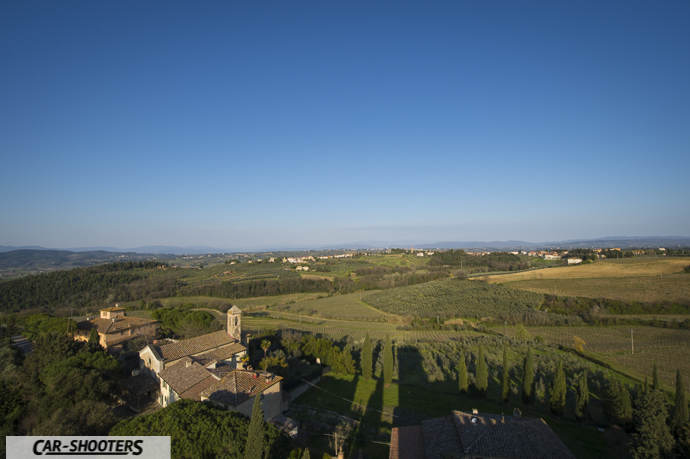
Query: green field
(668, 348)
(454, 298)
(634, 279)
(348, 307)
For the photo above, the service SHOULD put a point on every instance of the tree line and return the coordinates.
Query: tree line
(83, 287)
(494, 261)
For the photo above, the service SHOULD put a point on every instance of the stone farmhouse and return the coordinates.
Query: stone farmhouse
(114, 327)
(210, 368)
(465, 435)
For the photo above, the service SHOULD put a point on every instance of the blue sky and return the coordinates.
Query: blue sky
(238, 124)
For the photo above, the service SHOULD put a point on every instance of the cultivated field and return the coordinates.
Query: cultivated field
(633, 279)
(453, 298)
(348, 307)
(670, 349)
(670, 287)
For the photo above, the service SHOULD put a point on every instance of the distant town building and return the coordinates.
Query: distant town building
(574, 261)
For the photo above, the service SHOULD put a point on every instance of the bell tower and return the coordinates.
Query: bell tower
(235, 323)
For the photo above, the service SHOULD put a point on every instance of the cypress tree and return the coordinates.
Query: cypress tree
(612, 401)
(582, 397)
(626, 414)
(506, 376)
(388, 362)
(482, 375)
(557, 391)
(680, 416)
(653, 436)
(255, 433)
(93, 336)
(462, 374)
(655, 378)
(347, 361)
(528, 378)
(366, 358)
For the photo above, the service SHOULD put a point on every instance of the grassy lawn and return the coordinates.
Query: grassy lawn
(409, 404)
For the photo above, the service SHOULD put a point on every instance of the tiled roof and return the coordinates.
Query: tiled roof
(139, 384)
(193, 346)
(220, 353)
(407, 443)
(440, 438)
(489, 435)
(184, 375)
(194, 392)
(116, 325)
(221, 371)
(494, 435)
(235, 309)
(239, 386)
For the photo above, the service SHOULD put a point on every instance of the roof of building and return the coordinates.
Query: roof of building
(221, 371)
(492, 435)
(407, 443)
(193, 346)
(184, 375)
(220, 354)
(194, 392)
(239, 386)
(235, 309)
(116, 325)
(139, 384)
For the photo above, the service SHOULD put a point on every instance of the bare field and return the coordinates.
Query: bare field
(670, 287)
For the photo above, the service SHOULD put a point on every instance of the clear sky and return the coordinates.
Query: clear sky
(256, 123)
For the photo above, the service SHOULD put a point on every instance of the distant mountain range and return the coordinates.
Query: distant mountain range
(604, 242)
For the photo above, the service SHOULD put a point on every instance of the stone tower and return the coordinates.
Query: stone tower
(235, 323)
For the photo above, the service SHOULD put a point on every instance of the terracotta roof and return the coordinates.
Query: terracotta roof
(105, 326)
(440, 438)
(508, 436)
(194, 392)
(221, 353)
(139, 384)
(193, 346)
(184, 375)
(221, 371)
(407, 443)
(489, 435)
(239, 386)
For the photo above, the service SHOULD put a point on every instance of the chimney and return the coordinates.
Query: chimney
(517, 413)
(189, 363)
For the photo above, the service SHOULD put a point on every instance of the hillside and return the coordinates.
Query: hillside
(454, 298)
(633, 279)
